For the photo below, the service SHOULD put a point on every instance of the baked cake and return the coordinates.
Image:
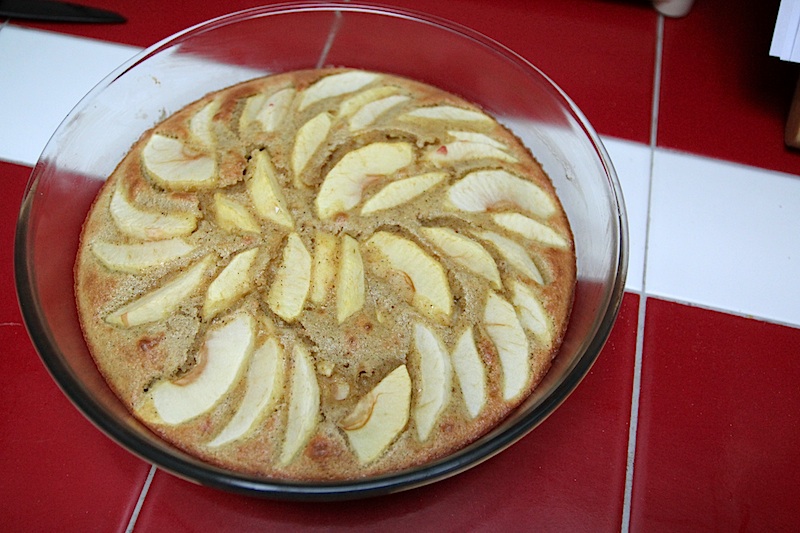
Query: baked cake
(325, 274)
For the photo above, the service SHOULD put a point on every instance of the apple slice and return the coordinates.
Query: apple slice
(303, 405)
(531, 312)
(220, 363)
(232, 283)
(233, 216)
(468, 146)
(267, 111)
(493, 190)
(514, 254)
(174, 166)
(475, 137)
(350, 285)
(336, 85)
(201, 125)
(324, 268)
(292, 281)
(343, 186)
(509, 339)
(162, 302)
(426, 276)
(379, 416)
(402, 191)
(309, 138)
(370, 112)
(355, 102)
(264, 382)
(265, 191)
(471, 373)
(134, 258)
(148, 225)
(447, 113)
(435, 376)
(466, 252)
(530, 229)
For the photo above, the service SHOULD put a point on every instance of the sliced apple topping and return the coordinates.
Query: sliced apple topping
(350, 286)
(148, 225)
(428, 280)
(233, 216)
(292, 281)
(466, 252)
(220, 363)
(309, 138)
(344, 184)
(355, 102)
(379, 416)
(336, 85)
(370, 112)
(265, 191)
(435, 377)
(509, 339)
(134, 258)
(447, 113)
(531, 312)
(471, 373)
(530, 229)
(263, 382)
(175, 166)
(231, 284)
(469, 146)
(402, 191)
(495, 190)
(324, 267)
(301, 420)
(267, 110)
(514, 254)
(162, 302)
(201, 125)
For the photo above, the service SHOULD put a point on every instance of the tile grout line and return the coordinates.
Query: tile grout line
(140, 501)
(642, 311)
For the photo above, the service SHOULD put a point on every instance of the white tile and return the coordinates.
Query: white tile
(725, 236)
(632, 163)
(44, 75)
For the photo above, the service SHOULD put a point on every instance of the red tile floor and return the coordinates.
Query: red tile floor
(689, 420)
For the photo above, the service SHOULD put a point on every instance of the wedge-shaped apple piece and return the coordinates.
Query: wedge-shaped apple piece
(148, 225)
(355, 102)
(303, 405)
(370, 112)
(379, 416)
(134, 258)
(263, 386)
(267, 110)
(344, 184)
(350, 282)
(514, 254)
(265, 191)
(475, 137)
(292, 281)
(471, 373)
(531, 312)
(232, 283)
(435, 378)
(175, 166)
(466, 252)
(324, 268)
(221, 361)
(509, 339)
(309, 138)
(530, 229)
(336, 85)
(494, 190)
(426, 276)
(402, 191)
(162, 302)
(201, 125)
(468, 146)
(233, 216)
(448, 113)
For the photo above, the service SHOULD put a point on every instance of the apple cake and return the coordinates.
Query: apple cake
(325, 274)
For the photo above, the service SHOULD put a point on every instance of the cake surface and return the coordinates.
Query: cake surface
(325, 274)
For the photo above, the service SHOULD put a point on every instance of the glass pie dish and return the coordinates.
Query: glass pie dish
(159, 81)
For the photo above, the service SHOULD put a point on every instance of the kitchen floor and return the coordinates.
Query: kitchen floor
(689, 420)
